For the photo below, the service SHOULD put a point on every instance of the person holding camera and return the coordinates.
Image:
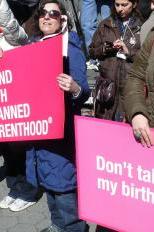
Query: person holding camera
(114, 44)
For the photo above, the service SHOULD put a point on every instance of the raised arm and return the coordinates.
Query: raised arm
(12, 31)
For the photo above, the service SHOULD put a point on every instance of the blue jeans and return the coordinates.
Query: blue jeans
(64, 215)
(91, 12)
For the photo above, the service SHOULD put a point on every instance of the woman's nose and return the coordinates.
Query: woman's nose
(120, 8)
(47, 16)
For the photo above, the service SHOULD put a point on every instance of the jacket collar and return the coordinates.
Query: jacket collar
(135, 24)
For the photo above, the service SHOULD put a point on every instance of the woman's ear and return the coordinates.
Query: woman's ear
(134, 5)
(63, 18)
(63, 22)
(152, 5)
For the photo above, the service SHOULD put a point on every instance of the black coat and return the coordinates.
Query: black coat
(22, 9)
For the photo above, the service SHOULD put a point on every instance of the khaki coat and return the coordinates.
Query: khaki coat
(139, 88)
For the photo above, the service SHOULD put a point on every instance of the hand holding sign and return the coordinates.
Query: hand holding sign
(115, 176)
(142, 130)
(67, 83)
(1, 52)
(20, 96)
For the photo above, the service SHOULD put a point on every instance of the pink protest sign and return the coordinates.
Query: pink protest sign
(115, 176)
(31, 103)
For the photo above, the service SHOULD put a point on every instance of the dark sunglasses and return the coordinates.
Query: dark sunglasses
(54, 14)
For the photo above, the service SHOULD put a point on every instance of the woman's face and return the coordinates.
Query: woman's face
(124, 8)
(152, 4)
(50, 19)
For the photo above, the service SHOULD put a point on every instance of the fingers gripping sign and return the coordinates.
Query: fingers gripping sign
(67, 83)
(142, 131)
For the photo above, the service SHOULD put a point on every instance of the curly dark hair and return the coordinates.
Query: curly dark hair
(34, 21)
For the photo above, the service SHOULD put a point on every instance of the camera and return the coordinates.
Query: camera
(108, 44)
(110, 49)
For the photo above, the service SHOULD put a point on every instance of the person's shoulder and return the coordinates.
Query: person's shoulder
(106, 22)
(151, 34)
(75, 52)
(74, 39)
(149, 41)
(33, 39)
(148, 24)
(73, 36)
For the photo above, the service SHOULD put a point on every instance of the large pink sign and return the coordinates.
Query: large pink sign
(31, 103)
(115, 176)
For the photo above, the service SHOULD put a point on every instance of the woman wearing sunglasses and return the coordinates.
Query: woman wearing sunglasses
(55, 158)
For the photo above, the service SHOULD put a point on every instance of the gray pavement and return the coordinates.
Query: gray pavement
(33, 219)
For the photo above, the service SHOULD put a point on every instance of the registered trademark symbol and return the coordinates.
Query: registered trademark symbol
(50, 120)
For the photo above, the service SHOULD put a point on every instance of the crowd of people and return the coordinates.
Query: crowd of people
(114, 37)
